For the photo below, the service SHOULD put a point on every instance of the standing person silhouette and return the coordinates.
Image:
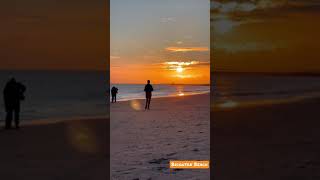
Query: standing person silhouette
(13, 93)
(148, 89)
(114, 92)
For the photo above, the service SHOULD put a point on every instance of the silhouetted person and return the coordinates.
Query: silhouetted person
(148, 89)
(13, 94)
(114, 92)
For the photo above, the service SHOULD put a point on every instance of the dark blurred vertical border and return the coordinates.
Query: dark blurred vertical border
(212, 162)
(57, 44)
(108, 84)
(265, 89)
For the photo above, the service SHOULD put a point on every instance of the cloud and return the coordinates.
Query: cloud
(173, 65)
(225, 25)
(228, 14)
(243, 6)
(115, 57)
(185, 76)
(168, 20)
(182, 63)
(187, 49)
(246, 47)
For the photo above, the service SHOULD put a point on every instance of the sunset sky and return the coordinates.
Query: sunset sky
(266, 35)
(53, 34)
(166, 41)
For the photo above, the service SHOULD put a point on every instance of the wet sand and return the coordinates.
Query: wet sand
(74, 149)
(143, 142)
(279, 141)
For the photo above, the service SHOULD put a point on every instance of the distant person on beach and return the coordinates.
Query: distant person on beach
(114, 92)
(13, 93)
(148, 89)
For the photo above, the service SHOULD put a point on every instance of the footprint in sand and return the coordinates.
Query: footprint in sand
(126, 170)
(161, 168)
(159, 161)
(178, 169)
(171, 154)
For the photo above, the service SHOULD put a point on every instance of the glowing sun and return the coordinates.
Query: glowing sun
(179, 69)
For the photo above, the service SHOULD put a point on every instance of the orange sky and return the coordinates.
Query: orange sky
(266, 36)
(54, 34)
(164, 41)
(160, 74)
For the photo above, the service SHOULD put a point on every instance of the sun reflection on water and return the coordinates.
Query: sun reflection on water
(180, 94)
(228, 104)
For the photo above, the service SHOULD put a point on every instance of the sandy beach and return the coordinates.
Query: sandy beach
(279, 141)
(73, 149)
(143, 142)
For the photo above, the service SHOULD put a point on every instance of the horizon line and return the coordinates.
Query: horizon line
(203, 84)
(269, 72)
(71, 70)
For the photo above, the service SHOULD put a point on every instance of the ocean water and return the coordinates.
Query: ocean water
(136, 91)
(60, 95)
(231, 89)
(65, 95)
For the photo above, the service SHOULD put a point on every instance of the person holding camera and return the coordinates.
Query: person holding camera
(13, 95)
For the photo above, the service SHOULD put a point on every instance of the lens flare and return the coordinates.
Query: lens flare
(135, 104)
(82, 138)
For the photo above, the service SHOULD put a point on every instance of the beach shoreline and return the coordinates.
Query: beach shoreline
(47, 121)
(230, 104)
(168, 96)
(215, 106)
(44, 121)
(135, 91)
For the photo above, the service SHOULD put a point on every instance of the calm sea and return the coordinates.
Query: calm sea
(65, 95)
(60, 95)
(136, 91)
(231, 89)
